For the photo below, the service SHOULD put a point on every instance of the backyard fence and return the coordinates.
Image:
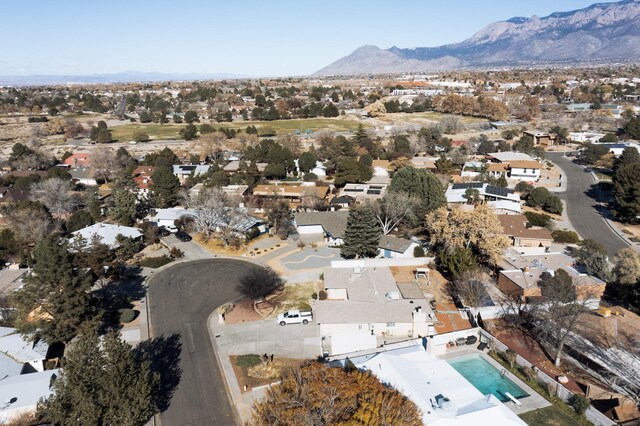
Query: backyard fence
(553, 386)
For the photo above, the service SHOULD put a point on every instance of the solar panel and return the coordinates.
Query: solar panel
(353, 190)
(375, 187)
(188, 168)
(496, 190)
(374, 192)
(476, 185)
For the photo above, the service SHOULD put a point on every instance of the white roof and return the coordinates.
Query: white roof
(27, 389)
(505, 205)
(107, 233)
(187, 169)
(510, 156)
(172, 213)
(15, 351)
(421, 378)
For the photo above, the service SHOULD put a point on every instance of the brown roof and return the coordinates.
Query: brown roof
(516, 226)
(291, 191)
(525, 164)
(498, 167)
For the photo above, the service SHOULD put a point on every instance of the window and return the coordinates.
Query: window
(391, 324)
(359, 327)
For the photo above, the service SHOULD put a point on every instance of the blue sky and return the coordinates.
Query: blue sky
(249, 37)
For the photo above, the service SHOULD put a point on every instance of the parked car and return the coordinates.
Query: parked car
(294, 316)
(183, 236)
(163, 232)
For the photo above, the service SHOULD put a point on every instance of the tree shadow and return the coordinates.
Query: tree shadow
(119, 294)
(163, 354)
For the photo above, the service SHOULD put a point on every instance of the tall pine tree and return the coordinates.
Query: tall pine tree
(164, 187)
(102, 383)
(55, 301)
(362, 235)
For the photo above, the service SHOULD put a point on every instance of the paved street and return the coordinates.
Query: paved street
(582, 209)
(181, 298)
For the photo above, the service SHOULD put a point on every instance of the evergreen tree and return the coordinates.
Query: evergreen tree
(626, 191)
(164, 187)
(632, 128)
(362, 235)
(123, 206)
(54, 303)
(422, 184)
(102, 384)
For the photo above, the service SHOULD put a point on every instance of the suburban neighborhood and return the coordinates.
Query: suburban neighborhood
(455, 246)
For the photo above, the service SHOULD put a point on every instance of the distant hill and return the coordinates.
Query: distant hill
(603, 32)
(121, 77)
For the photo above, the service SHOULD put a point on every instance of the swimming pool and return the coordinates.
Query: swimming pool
(486, 378)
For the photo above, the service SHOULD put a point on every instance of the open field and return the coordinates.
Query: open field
(125, 132)
(432, 116)
(548, 416)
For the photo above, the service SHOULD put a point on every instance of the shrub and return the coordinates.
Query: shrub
(538, 219)
(260, 282)
(565, 236)
(322, 295)
(524, 188)
(579, 403)
(314, 295)
(127, 315)
(538, 197)
(176, 253)
(155, 262)
(553, 205)
(248, 361)
(418, 251)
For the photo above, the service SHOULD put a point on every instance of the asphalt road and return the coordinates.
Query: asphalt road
(582, 210)
(181, 298)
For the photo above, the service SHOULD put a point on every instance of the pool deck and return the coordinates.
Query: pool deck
(529, 403)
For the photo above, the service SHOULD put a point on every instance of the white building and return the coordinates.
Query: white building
(20, 394)
(367, 302)
(442, 394)
(166, 217)
(183, 171)
(497, 198)
(583, 137)
(107, 234)
(617, 148)
(329, 224)
(394, 247)
(18, 355)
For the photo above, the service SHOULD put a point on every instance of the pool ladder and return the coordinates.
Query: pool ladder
(503, 372)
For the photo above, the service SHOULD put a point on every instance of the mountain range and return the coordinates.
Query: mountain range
(600, 33)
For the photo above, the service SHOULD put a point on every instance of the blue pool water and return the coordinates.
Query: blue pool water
(486, 378)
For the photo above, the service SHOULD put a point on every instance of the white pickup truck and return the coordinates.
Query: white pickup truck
(294, 316)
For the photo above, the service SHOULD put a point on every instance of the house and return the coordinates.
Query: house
(362, 192)
(83, 176)
(20, 394)
(294, 193)
(520, 274)
(424, 163)
(142, 177)
(394, 247)
(381, 168)
(107, 234)
(13, 195)
(78, 159)
(167, 217)
(514, 165)
(523, 238)
(330, 224)
(18, 355)
(234, 166)
(617, 148)
(366, 301)
(343, 202)
(473, 169)
(497, 198)
(442, 394)
(541, 138)
(319, 169)
(525, 170)
(507, 156)
(582, 137)
(183, 171)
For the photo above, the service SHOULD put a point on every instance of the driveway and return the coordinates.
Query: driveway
(584, 211)
(191, 249)
(181, 298)
(259, 337)
(310, 258)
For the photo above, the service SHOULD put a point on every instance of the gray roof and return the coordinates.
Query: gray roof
(27, 389)
(106, 232)
(399, 245)
(333, 223)
(15, 351)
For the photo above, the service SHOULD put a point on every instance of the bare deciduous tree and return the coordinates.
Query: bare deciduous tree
(215, 213)
(29, 224)
(105, 163)
(394, 208)
(470, 289)
(56, 195)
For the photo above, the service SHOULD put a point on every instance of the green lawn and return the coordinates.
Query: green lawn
(170, 131)
(436, 116)
(548, 416)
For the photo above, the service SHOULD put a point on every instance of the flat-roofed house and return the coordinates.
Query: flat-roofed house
(293, 193)
(542, 139)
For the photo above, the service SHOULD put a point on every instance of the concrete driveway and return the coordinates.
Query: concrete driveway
(310, 258)
(191, 249)
(259, 337)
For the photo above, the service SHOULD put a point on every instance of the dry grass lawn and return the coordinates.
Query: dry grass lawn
(262, 374)
(294, 296)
